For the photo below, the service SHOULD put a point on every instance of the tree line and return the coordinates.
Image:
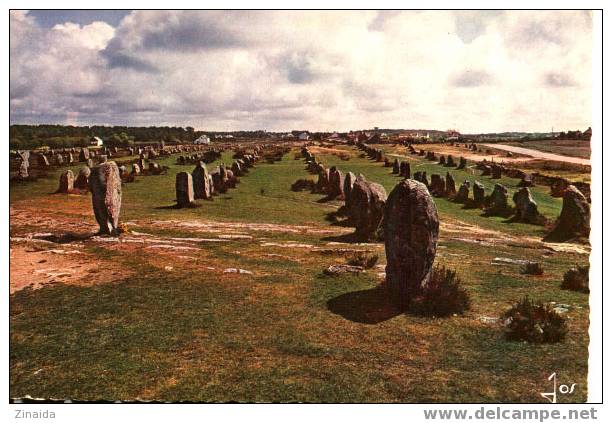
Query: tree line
(59, 136)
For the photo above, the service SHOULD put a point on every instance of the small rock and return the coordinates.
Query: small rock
(240, 271)
(337, 269)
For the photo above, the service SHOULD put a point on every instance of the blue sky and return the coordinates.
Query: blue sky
(49, 18)
(476, 71)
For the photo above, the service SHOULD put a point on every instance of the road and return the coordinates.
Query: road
(540, 154)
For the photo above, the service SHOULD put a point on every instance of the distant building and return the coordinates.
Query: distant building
(96, 142)
(203, 139)
(304, 136)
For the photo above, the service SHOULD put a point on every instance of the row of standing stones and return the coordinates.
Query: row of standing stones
(408, 222)
(25, 161)
(143, 166)
(104, 180)
(573, 222)
(200, 184)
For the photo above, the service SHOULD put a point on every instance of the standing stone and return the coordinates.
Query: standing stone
(135, 169)
(89, 163)
(405, 170)
(496, 171)
(219, 186)
(462, 163)
(498, 200)
(349, 181)
(442, 160)
(211, 184)
(70, 158)
(450, 185)
(236, 169)
(575, 217)
(105, 187)
(66, 182)
(84, 154)
(201, 182)
(82, 180)
(526, 181)
(437, 187)
(231, 179)
(24, 169)
(450, 162)
(558, 187)
(479, 194)
(421, 176)
(336, 188)
(141, 163)
(184, 189)
(396, 166)
(43, 161)
(59, 159)
(464, 193)
(323, 181)
(526, 207)
(366, 207)
(411, 228)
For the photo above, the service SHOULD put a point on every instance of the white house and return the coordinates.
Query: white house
(96, 142)
(304, 136)
(202, 140)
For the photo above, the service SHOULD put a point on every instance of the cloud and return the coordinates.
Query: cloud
(328, 70)
(554, 79)
(471, 79)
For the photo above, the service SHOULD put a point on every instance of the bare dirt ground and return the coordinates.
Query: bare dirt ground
(34, 267)
(39, 255)
(540, 154)
(458, 151)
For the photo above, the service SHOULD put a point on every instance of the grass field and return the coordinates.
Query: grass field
(178, 327)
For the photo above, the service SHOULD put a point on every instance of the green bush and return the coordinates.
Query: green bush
(577, 279)
(443, 295)
(534, 322)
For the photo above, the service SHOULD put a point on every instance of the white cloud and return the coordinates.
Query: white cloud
(475, 71)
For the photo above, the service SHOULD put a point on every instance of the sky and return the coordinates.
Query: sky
(474, 71)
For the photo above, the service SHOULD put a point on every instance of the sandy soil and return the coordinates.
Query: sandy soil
(540, 154)
(33, 267)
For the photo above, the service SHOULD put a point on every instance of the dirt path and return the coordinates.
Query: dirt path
(539, 154)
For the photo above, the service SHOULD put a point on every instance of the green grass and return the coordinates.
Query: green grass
(287, 333)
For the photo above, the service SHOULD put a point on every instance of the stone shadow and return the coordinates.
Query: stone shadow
(351, 238)
(370, 306)
(66, 238)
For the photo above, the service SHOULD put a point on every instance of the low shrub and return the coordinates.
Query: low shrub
(534, 322)
(443, 295)
(577, 279)
(363, 258)
(533, 268)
